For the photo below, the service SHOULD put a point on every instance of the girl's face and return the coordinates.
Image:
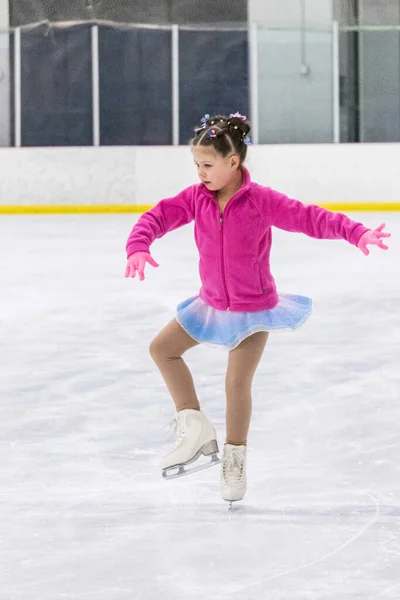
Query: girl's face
(214, 170)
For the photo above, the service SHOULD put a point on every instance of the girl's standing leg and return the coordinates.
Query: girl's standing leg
(242, 365)
(166, 350)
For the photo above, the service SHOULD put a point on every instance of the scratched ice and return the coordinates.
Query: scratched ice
(84, 512)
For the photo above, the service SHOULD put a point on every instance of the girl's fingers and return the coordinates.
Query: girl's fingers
(377, 242)
(151, 261)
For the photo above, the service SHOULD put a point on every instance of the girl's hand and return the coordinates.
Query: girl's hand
(137, 262)
(373, 237)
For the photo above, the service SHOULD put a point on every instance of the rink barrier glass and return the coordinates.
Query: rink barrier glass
(318, 83)
(141, 208)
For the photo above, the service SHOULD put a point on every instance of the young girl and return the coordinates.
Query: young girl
(238, 304)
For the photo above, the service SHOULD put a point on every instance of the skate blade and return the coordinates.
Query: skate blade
(232, 502)
(182, 471)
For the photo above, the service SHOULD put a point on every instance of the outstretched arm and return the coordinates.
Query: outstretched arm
(167, 215)
(317, 222)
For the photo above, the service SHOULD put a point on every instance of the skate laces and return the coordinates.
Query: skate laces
(176, 429)
(233, 466)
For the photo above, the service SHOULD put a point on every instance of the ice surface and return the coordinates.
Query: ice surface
(84, 511)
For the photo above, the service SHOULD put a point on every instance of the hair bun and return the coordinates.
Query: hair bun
(238, 126)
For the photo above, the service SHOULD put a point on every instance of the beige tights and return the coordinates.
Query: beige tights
(166, 350)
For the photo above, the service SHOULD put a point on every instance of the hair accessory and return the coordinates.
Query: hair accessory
(211, 134)
(247, 141)
(238, 116)
(204, 125)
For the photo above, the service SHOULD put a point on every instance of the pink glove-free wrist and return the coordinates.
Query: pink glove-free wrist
(137, 262)
(373, 237)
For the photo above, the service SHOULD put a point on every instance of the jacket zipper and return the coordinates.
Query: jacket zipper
(221, 222)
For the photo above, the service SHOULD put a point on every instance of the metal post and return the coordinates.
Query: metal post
(336, 82)
(360, 85)
(175, 85)
(95, 86)
(4, 74)
(254, 106)
(17, 88)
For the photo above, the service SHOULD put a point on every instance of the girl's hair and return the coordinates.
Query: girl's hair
(228, 135)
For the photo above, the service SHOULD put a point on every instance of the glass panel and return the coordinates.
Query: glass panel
(199, 11)
(24, 12)
(349, 87)
(380, 86)
(135, 86)
(346, 11)
(213, 76)
(295, 86)
(379, 12)
(56, 83)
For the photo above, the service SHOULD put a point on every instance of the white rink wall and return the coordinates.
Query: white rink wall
(343, 173)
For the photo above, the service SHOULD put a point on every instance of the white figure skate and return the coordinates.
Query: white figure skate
(233, 483)
(195, 436)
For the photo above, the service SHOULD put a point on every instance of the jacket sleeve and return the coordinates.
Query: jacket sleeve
(167, 215)
(312, 220)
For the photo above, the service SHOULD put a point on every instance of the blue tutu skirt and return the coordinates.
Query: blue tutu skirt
(215, 328)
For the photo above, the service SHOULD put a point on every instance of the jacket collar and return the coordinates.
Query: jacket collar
(246, 184)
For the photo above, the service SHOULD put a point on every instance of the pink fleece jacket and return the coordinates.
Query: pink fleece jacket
(234, 247)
